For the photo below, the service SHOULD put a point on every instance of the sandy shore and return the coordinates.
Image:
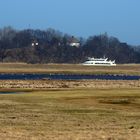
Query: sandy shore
(52, 84)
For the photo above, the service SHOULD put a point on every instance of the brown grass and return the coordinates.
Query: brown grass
(78, 114)
(133, 69)
(69, 110)
(66, 84)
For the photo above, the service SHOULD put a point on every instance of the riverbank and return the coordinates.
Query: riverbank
(65, 84)
(124, 69)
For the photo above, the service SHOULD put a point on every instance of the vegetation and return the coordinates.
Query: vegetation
(54, 47)
(71, 114)
(131, 69)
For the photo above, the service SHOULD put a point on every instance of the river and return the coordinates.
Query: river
(66, 77)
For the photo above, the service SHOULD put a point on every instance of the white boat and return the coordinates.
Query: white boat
(99, 62)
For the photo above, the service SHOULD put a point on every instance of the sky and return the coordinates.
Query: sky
(81, 18)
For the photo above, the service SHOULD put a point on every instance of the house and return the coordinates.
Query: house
(34, 43)
(74, 42)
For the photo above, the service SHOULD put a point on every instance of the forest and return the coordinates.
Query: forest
(52, 46)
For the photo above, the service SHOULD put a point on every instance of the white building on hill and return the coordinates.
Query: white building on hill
(74, 42)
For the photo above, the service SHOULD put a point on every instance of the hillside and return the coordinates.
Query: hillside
(51, 46)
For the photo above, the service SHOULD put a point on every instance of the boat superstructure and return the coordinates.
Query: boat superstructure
(99, 62)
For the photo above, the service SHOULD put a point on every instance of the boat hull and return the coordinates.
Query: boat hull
(99, 64)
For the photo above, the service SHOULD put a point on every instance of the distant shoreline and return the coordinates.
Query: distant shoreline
(121, 69)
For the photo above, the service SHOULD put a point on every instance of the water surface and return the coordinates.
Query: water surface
(66, 77)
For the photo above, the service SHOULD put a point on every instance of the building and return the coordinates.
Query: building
(74, 42)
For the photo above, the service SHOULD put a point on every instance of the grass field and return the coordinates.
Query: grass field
(133, 69)
(71, 114)
(69, 110)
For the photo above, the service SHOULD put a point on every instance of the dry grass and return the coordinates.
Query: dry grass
(133, 69)
(75, 114)
(73, 110)
(66, 84)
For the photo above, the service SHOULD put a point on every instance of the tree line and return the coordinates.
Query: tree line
(52, 46)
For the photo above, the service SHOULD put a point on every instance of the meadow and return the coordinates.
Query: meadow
(69, 110)
(71, 114)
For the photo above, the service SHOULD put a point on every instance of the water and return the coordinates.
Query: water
(8, 92)
(66, 77)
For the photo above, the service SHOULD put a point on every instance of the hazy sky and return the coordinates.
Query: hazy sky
(119, 18)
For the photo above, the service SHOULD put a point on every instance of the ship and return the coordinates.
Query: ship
(99, 62)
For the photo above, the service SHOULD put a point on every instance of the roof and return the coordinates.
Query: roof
(73, 40)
